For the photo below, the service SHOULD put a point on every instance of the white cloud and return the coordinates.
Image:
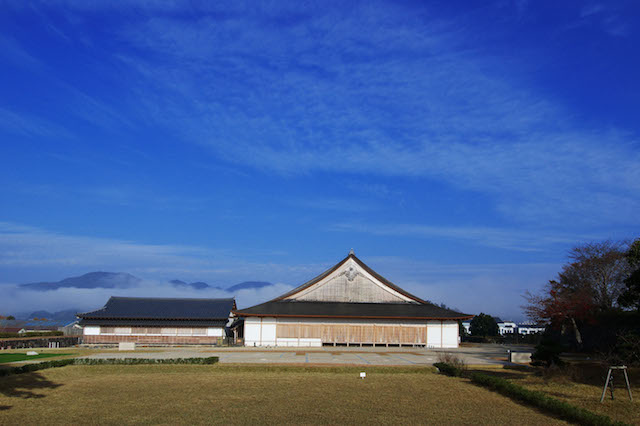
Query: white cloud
(505, 238)
(400, 101)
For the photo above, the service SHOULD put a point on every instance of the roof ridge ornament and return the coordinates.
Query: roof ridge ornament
(352, 253)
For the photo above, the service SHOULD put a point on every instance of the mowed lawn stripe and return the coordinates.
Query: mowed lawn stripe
(16, 357)
(170, 394)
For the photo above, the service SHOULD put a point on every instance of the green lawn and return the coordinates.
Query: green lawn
(226, 394)
(14, 357)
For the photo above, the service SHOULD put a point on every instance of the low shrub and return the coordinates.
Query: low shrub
(452, 360)
(449, 369)
(106, 361)
(540, 400)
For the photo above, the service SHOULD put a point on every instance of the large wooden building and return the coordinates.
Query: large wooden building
(158, 321)
(350, 304)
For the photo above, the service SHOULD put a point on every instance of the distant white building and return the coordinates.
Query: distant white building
(510, 327)
(506, 327)
(530, 328)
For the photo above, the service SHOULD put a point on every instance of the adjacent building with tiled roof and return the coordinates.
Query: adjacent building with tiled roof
(157, 321)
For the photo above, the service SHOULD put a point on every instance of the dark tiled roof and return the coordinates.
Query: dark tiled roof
(364, 266)
(162, 308)
(154, 322)
(276, 308)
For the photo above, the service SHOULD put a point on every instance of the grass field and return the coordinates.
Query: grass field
(17, 356)
(170, 394)
(582, 391)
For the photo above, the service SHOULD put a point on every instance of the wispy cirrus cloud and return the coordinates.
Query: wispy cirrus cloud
(365, 91)
(320, 94)
(504, 238)
(31, 251)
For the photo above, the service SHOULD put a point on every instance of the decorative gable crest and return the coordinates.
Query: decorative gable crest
(350, 281)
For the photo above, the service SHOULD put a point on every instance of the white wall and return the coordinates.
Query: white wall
(268, 332)
(252, 331)
(262, 331)
(450, 334)
(259, 331)
(434, 334)
(91, 330)
(215, 331)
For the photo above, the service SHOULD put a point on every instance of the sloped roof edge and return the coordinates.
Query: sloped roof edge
(364, 266)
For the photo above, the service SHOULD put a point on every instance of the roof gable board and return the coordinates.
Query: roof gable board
(350, 281)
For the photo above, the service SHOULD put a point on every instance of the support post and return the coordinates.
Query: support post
(606, 383)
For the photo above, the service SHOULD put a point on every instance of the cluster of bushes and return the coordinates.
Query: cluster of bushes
(108, 361)
(536, 399)
(32, 334)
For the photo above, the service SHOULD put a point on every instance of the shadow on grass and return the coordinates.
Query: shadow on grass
(500, 373)
(25, 385)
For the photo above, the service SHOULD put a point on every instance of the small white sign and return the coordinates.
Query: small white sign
(363, 375)
(30, 353)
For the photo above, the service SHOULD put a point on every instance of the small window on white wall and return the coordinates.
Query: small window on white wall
(168, 331)
(199, 331)
(123, 330)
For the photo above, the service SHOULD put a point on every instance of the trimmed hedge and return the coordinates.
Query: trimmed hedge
(136, 361)
(32, 334)
(34, 367)
(542, 401)
(106, 361)
(533, 398)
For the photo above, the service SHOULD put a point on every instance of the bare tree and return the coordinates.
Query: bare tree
(601, 268)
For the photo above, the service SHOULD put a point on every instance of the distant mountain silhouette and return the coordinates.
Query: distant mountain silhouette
(90, 280)
(66, 316)
(248, 285)
(198, 285)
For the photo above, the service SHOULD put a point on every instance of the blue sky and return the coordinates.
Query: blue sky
(460, 150)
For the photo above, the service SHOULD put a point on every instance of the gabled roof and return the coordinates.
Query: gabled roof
(410, 307)
(351, 310)
(148, 308)
(360, 263)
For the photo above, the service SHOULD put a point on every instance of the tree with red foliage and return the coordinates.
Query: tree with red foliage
(586, 286)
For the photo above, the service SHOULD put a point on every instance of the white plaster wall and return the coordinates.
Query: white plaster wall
(268, 332)
(91, 330)
(434, 334)
(215, 331)
(259, 331)
(252, 331)
(450, 334)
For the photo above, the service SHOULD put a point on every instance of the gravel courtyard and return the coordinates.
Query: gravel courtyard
(473, 355)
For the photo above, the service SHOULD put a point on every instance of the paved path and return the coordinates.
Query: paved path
(477, 354)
